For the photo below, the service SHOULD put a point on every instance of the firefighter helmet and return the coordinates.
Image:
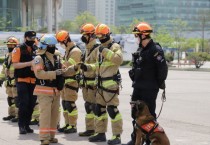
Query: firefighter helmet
(87, 28)
(12, 40)
(101, 30)
(47, 40)
(62, 35)
(142, 28)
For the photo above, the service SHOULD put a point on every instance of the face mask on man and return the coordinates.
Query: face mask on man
(10, 49)
(51, 50)
(30, 43)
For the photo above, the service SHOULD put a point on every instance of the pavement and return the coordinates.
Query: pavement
(185, 115)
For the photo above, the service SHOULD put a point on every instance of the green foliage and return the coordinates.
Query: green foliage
(164, 37)
(199, 58)
(1, 60)
(74, 26)
(169, 57)
(4, 23)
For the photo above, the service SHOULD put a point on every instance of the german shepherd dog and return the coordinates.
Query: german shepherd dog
(146, 126)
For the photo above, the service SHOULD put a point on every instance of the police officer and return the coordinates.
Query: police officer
(7, 74)
(149, 70)
(108, 81)
(88, 83)
(70, 92)
(47, 69)
(22, 57)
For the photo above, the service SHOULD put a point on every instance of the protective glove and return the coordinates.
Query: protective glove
(162, 86)
(131, 74)
(1, 82)
(83, 67)
(59, 72)
(101, 48)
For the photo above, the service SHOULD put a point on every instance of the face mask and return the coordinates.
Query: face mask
(105, 39)
(84, 39)
(51, 50)
(10, 49)
(30, 43)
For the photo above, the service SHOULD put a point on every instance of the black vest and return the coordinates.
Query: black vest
(48, 66)
(25, 57)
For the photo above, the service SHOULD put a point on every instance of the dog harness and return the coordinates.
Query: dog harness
(150, 128)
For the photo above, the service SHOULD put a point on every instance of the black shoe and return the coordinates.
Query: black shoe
(29, 130)
(87, 133)
(98, 137)
(115, 140)
(63, 128)
(131, 142)
(34, 122)
(70, 129)
(8, 118)
(14, 119)
(22, 130)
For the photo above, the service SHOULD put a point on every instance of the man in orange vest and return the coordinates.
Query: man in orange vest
(22, 57)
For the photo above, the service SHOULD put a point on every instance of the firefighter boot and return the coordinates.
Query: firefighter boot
(87, 133)
(34, 122)
(45, 142)
(98, 137)
(8, 118)
(14, 119)
(70, 129)
(53, 140)
(114, 140)
(63, 128)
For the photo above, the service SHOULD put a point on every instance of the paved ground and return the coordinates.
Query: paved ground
(185, 116)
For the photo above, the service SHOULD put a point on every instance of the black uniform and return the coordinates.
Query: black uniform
(148, 75)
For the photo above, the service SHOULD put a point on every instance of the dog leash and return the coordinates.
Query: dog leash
(163, 98)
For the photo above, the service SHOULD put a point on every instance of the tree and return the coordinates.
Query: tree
(199, 58)
(178, 27)
(164, 37)
(4, 23)
(85, 17)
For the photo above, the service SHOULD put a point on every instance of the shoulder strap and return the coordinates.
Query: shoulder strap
(91, 50)
(70, 50)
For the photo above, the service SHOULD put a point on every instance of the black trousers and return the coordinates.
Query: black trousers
(26, 101)
(149, 96)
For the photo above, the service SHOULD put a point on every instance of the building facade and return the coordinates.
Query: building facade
(159, 12)
(103, 10)
(29, 14)
(10, 14)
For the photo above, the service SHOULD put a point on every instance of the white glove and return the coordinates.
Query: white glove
(59, 72)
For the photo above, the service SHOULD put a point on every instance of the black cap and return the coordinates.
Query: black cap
(30, 34)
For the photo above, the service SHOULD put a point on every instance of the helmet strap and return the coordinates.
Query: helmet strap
(67, 40)
(141, 39)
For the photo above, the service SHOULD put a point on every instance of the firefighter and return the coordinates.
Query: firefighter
(70, 92)
(7, 74)
(47, 69)
(22, 57)
(88, 83)
(149, 71)
(108, 82)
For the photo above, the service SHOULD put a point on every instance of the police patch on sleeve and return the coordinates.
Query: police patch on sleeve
(159, 57)
(36, 61)
(14, 51)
